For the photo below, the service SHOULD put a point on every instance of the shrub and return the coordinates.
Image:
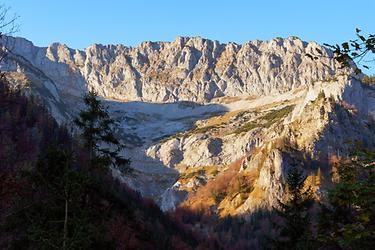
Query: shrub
(276, 115)
(268, 119)
(247, 127)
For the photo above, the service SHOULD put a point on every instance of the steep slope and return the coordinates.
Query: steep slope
(121, 217)
(236, 163)
(205, 121)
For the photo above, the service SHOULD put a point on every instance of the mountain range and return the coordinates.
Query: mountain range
(209, 125)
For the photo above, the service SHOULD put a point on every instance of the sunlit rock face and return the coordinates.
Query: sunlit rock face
(304, 128)
(189, 68)
(194, 110)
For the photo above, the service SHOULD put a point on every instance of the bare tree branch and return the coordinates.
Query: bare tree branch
(8, 27)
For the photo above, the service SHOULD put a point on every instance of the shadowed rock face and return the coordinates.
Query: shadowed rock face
(189, 68)
(214, 146)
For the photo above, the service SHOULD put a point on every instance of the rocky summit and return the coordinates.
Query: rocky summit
(187, 69)
(209, 125)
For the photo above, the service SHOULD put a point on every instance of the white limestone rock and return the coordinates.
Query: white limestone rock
(189, 68)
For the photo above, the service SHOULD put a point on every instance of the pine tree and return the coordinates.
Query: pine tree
(295, 230)
(98, 135)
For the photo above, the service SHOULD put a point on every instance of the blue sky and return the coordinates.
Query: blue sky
(80, 23)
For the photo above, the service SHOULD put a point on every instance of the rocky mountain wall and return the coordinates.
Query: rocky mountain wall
(189, 68)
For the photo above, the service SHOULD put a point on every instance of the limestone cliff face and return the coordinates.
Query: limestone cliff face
(192, 69)
(304, 127)
(195, 113)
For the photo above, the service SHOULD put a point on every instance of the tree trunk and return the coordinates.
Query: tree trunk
(91, 149)
(65, 223)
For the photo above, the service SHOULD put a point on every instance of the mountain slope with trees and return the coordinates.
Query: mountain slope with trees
(50, 198)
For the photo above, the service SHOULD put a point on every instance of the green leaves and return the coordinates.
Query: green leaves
(356, 50)
(353, 51)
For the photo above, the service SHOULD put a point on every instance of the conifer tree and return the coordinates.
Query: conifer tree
(348, 220)
(295, 230)
(98, 135)
(53, 212)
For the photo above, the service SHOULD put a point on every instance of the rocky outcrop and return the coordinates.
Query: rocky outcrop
(310, 126)
(189, 68)
(262, 104)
